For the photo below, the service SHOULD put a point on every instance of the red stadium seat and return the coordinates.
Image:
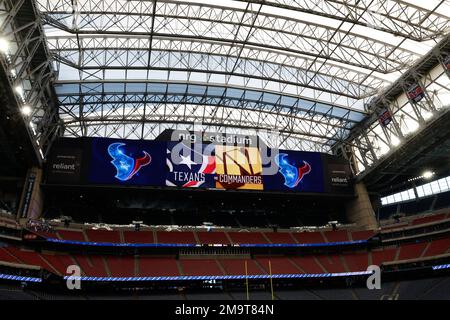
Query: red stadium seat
(279, 265)
(247, 237)
(121, 266)
(356, 261)
(103, 236)
(336, 236)
(92, 265)
(309, 237)
(429, 219)
(71, 235)
(279, 237)
(384, 255)
(237, 267)
(411, 251)
(47, 235)
(308, 264)
(158, 267)
(213, 237)
(6, 256)
(201, 267)
(395, 226)
(438, 247)
(331, 263)
(362, 235)
(28, 257)
(176, 237)
(60, 262)
(129, 265)
(138, 236)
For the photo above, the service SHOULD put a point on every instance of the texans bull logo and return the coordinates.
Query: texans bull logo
(126, 166)
(292, 175)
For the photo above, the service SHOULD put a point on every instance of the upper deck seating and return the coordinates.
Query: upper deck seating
(247, 237)
(103, 236)
(184, 237)
(336, 236)
(138, 236)
(309, 237)
(213, 237)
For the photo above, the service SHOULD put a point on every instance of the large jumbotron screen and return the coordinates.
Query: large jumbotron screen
(175, 164)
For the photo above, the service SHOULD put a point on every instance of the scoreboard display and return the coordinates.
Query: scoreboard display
(201, 164)
(238, 167)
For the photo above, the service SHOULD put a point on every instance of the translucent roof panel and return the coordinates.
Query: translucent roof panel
(312, 65)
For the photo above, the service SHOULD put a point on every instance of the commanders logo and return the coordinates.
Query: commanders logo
(126, 166)
(292, 174)
(238, 168)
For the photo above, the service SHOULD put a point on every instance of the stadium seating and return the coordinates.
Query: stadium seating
(309, 237)
(93, 266)
(247, 237)
(6, 256)
(157, 267)
(279, 237)
(211, 237)
(103, 236)
(176, 237)
(395, 226)
(138, 237)
(336, 236)
(411, 251)
(60, 262)
(356, 261)
(71, 235)
(121, 266)
(332, 263)
(429, 219)
(29, 258)
(362, 235)
(278, 265)
(437, 247)
(439, 216)
(200, 267)
(308, 264)
(141, 265)
(237, 267)
(380, 256)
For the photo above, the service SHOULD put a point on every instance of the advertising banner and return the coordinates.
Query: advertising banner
(297, 171)
(415, 93)
(127, 162)
(64, 165)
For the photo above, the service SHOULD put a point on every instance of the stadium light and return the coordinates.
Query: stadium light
(19, 90)
(427, 115)
(427, 174)
(26, 110)
(4, 46)
(395, 141)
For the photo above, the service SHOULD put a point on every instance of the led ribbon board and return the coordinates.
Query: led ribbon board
(230, 277)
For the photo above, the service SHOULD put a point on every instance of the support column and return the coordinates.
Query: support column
(360, 211)
(31, 202)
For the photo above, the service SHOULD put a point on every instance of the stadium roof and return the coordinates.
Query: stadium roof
(305, 68)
